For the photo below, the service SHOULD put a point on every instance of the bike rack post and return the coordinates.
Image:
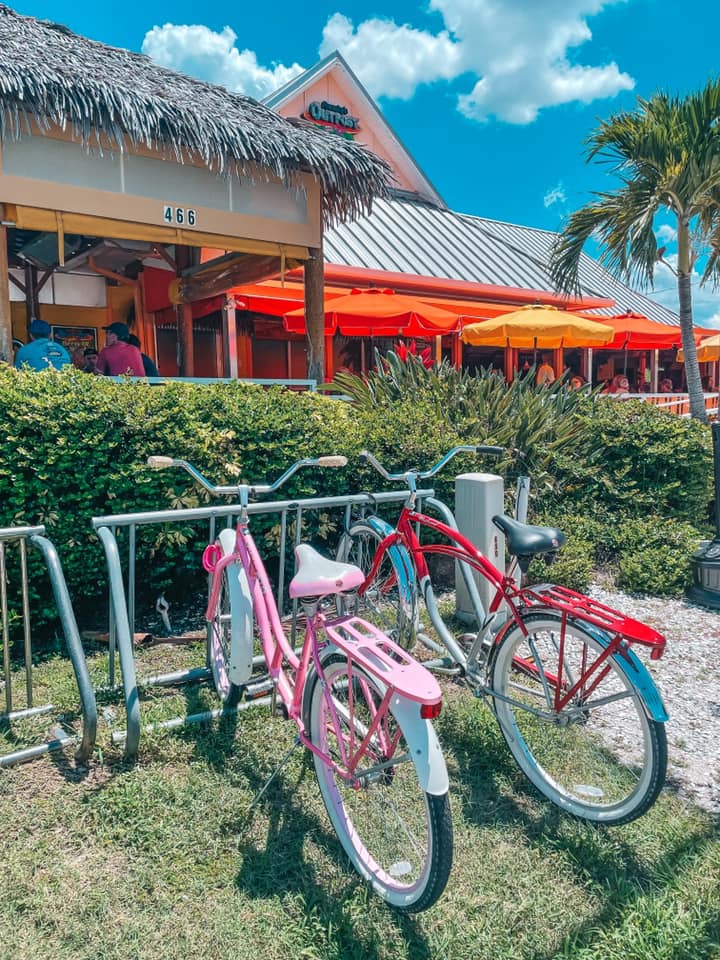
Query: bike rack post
(124, 640)
(36, 537)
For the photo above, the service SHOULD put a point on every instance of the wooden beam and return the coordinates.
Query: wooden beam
(6, 353)
(315, 314)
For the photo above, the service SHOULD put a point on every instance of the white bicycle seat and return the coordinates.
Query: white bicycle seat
(317, 576)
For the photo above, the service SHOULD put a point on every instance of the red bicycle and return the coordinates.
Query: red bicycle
(577, 707)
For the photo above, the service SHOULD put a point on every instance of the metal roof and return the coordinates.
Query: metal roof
(406, 236)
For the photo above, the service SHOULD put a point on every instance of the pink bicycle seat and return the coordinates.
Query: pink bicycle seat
(317, 576)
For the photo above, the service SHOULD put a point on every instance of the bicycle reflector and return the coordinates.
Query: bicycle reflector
(428, 711)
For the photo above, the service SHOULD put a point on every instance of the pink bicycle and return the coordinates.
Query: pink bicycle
(362, 706)
(576, 706)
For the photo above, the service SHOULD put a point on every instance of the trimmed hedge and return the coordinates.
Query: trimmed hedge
(611, 474)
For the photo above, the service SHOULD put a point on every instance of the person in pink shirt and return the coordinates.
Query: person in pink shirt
(119, 357)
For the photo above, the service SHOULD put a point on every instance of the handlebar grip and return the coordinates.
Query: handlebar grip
(492, 451)
(159, 463)
(333, 461)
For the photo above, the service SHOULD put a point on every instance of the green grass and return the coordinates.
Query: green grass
(161, 859)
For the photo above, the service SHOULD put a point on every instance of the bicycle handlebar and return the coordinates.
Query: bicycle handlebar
(162, 463)
(368, 457)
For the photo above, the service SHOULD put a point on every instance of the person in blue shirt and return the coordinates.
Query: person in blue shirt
(42, 352)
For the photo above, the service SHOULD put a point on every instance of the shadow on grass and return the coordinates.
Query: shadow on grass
(494, 793)
(279, 866)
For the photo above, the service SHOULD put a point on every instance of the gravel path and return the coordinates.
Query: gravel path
(688, 677)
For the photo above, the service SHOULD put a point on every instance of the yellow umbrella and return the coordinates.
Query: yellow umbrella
(707, 350)
(534, 327)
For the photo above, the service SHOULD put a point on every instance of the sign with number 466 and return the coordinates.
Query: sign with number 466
(179, 216)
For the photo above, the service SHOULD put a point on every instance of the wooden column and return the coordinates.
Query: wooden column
(6, 354)
(186, 352)
(315, 314)
(231, 338)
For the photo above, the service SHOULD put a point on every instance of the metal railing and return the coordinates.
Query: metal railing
(123, 601)
(35, 537)
(310, 385)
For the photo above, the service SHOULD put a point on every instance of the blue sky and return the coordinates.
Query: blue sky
(493, 99)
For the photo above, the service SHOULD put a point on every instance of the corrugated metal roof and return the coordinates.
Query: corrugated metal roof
(408, 236)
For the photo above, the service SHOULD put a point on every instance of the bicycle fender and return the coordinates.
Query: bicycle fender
(241, 613)
(398, 555)
(424, 746)
(636, 674)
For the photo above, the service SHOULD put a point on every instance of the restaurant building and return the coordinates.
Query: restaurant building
(110, 164)
(201, 218)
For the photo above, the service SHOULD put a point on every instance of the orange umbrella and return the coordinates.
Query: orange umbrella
(379, 313)
(633, 331)
(534, 327)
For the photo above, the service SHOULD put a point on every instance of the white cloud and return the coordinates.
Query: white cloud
(199, 51)
(513, 58)
(706, 301)
(555, 195)
(666, 234)
(392, 60)
(518, 52)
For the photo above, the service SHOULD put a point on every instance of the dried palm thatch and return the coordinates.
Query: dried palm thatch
(53, 76)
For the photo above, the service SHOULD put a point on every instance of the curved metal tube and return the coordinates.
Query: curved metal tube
(74, 646)
(124, 640)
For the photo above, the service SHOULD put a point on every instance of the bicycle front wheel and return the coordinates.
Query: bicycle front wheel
(397, 836)
(390, 600)
(598, 756)
(230, 631)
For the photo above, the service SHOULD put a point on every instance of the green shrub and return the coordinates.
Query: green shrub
(654, 556)
(572, 567)
(642, 460)
(75, 446)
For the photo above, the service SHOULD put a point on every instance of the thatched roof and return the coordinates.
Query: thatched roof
(53, 76)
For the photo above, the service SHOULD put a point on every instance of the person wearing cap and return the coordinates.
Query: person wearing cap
(150, 369)
(119, 357)
(42, 353)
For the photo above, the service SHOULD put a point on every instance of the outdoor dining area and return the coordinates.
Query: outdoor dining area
(626, 353)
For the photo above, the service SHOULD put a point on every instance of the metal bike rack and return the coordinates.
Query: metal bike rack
(122, 601)
(35, 536)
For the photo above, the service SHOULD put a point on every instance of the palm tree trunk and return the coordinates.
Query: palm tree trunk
(692, 369)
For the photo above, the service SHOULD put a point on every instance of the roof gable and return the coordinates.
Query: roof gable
(331, 80)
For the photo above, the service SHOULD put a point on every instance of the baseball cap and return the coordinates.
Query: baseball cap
(121, 330)
(39, 328)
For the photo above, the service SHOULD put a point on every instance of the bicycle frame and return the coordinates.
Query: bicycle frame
(618, 631)
(289, 671)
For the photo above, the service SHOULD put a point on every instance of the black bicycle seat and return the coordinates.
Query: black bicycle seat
(524, 540)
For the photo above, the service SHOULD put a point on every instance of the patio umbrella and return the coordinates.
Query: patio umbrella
(534, 327)
(379, 313)
(707, 350)
(633, 331)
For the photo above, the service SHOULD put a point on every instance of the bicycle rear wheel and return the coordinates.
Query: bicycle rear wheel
(390, 601)
(599, 757)
(397, 836)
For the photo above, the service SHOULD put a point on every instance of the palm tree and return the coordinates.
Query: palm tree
(666, 154)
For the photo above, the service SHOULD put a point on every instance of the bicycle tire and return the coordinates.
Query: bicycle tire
(600, 758)
(392, 610)
(231, 629)
(398, 837)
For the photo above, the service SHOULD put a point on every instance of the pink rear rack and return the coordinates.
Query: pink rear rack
(377, 653)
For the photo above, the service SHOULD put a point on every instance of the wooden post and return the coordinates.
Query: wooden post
(186, 358)
(231, 338)
(315, 314)
(457, 351)
(186, 354)
(6, 354)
